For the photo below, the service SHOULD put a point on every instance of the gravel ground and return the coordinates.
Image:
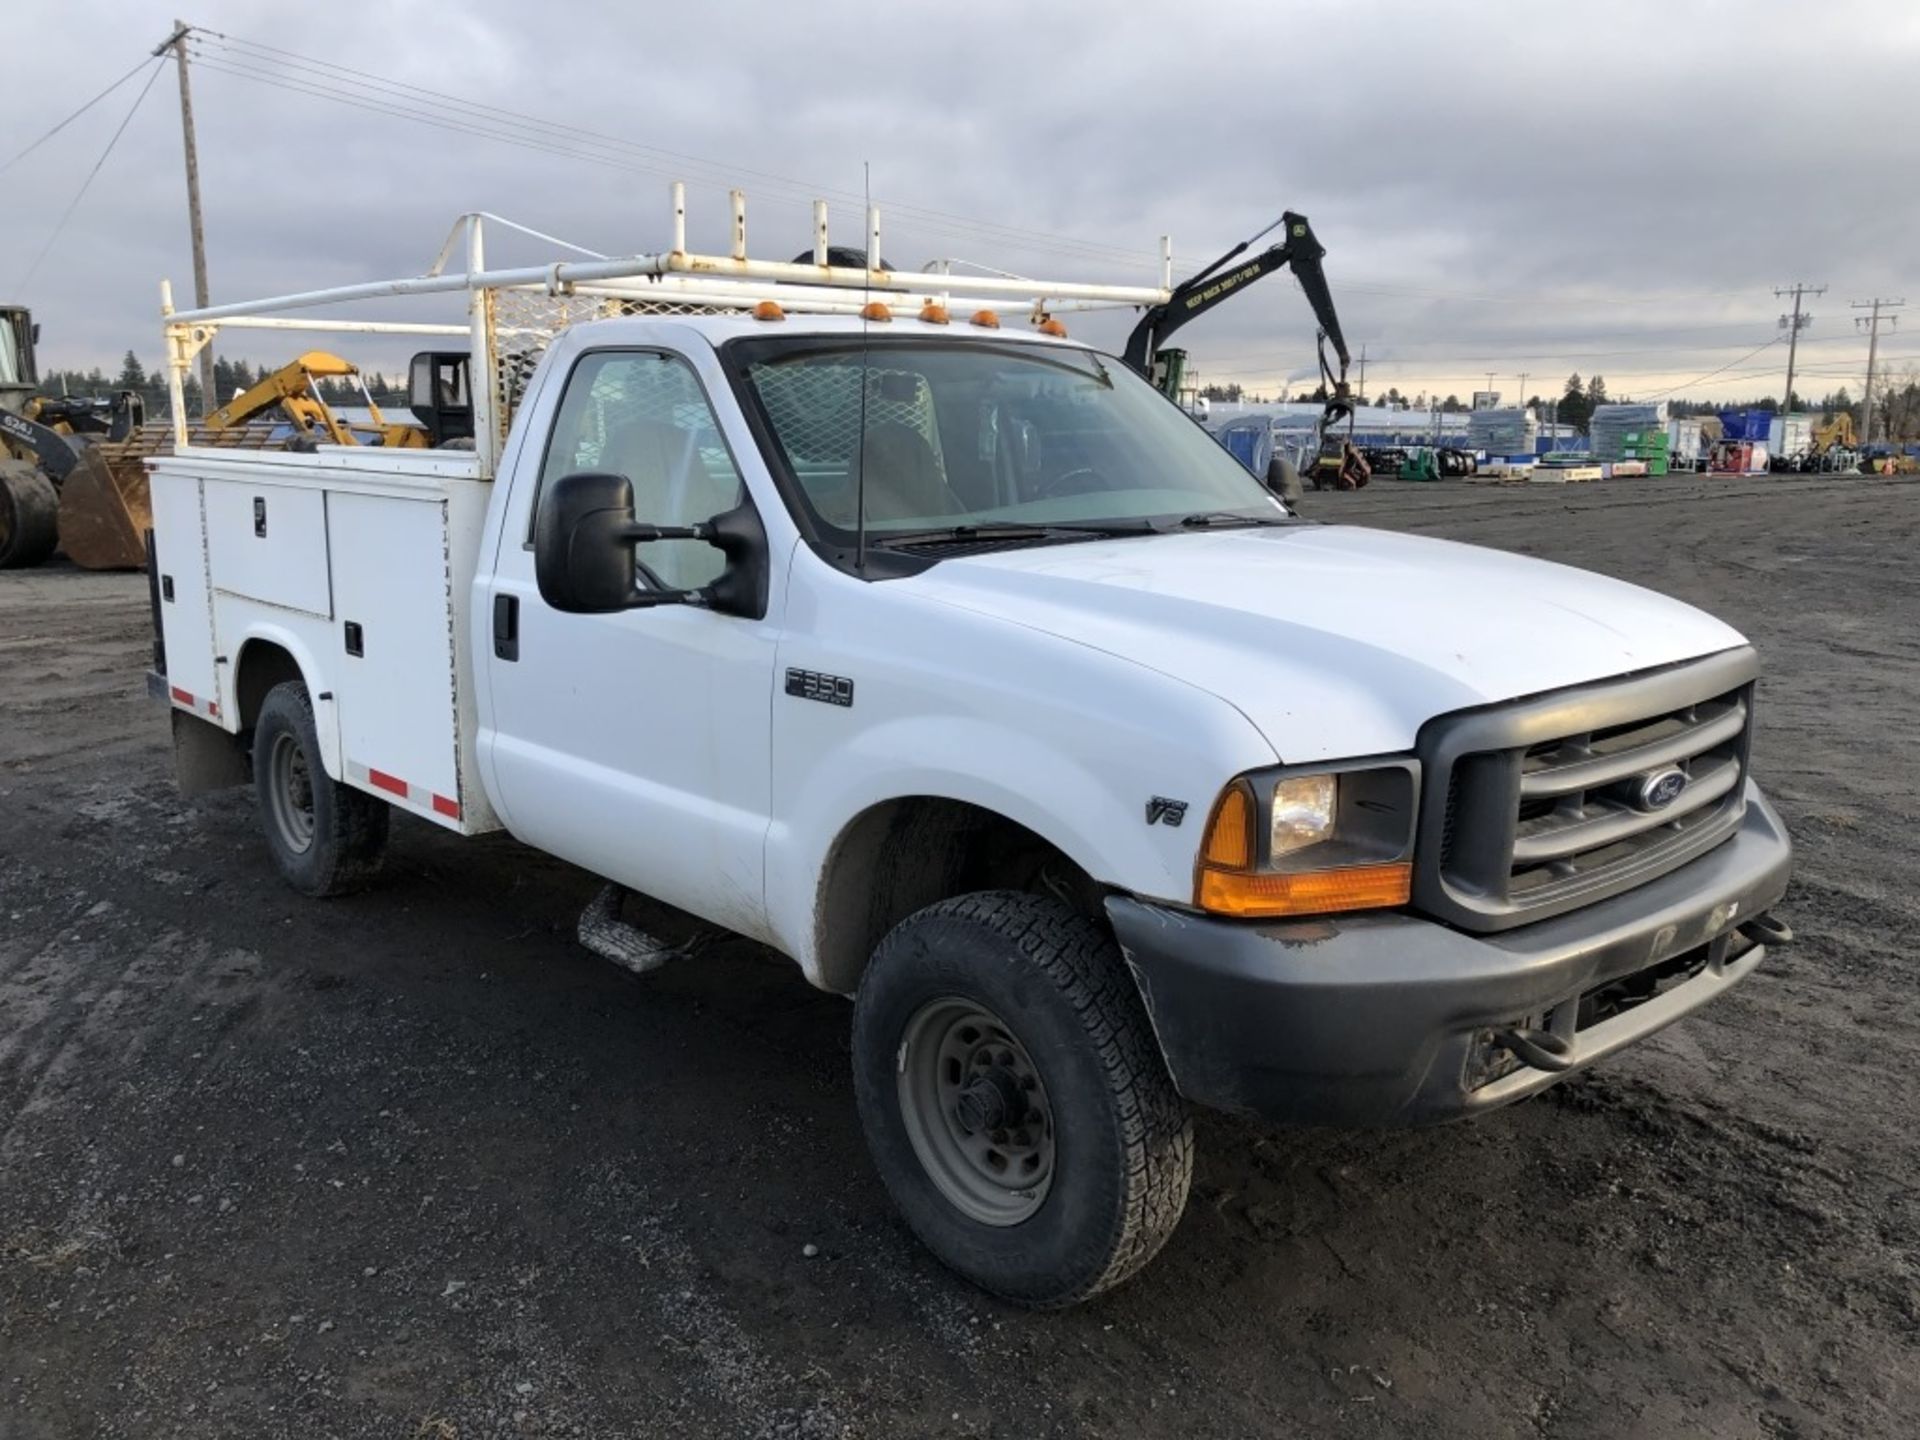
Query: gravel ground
(414, 1165)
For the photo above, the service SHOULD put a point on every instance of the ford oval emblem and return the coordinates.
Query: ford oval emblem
(1661, 788)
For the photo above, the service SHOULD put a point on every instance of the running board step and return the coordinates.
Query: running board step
(604, 933)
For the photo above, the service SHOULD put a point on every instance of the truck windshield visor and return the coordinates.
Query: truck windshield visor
(959, 433)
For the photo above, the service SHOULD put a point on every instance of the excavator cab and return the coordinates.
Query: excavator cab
(440, 397)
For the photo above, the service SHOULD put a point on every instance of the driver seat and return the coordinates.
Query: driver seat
(904, 478)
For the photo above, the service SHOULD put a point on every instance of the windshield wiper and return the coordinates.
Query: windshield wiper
(1221, 519)
(1006, 530)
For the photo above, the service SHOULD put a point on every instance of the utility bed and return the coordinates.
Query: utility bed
(381, 604)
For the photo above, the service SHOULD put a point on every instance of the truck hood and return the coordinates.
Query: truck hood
(1333, 641)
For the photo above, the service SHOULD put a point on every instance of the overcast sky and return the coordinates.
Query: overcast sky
(1613, 187)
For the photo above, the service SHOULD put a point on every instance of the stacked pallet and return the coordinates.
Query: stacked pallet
(1501, 432)
(1609, 426)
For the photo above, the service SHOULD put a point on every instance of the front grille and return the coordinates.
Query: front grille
(1535, 809)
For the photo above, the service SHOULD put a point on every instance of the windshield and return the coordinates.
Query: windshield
(963, 433)
(9, 351)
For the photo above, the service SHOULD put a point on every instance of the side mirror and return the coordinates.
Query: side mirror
(583, 560)
(583, 543)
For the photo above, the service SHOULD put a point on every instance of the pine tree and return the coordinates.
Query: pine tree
(1575, 405)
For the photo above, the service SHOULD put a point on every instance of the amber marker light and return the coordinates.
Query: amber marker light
(1051, 326)
(986, 319)
(876, 311)
(1227, 881)
(1316, 892)
(769, 310)
(934, 313)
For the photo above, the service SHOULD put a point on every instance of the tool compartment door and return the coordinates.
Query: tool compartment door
(394, 633)
(269, 542)
(186, 610)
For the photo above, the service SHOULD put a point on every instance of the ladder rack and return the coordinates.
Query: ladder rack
(512, 314)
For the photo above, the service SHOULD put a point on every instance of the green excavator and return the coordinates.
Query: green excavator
(1339, 463)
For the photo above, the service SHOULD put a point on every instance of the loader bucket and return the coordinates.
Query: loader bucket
(106, 507)
(105, 511)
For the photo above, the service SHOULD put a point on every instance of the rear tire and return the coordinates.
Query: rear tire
(29, 516)
(1015, 1100)
(325, 838)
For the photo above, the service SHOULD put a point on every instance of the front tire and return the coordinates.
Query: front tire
(325, 838)
(1015, 1099)
(29, 516)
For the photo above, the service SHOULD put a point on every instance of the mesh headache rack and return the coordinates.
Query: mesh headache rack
(514, 314)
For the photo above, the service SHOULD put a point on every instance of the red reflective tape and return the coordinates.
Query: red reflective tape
(182, 696)
(445, 806)
(380, 780)
(213, 709)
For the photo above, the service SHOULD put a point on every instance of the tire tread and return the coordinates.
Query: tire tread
(1083, 963)
(351, 848)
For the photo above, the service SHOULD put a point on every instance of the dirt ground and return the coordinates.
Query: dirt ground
(414, 1165)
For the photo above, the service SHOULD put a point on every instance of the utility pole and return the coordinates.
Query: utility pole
(1873, 349)
(1363, 374)
(1523, 390)
(1793, 324)
(177, 42)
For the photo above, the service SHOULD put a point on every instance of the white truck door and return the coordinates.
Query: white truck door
(635, 744)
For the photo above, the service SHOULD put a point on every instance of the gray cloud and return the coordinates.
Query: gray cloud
(1501, 187)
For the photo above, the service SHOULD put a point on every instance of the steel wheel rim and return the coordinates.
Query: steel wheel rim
(290, 792)
(976, 1111)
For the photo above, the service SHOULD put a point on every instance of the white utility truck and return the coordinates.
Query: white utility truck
(865, 614)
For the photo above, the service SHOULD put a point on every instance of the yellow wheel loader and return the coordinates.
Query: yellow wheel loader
(61, 485)
(73, 471)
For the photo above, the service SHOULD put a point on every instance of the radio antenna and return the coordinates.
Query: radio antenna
(860, 450)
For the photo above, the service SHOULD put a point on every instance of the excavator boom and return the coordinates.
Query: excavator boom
(1224, 278)
(292, 389)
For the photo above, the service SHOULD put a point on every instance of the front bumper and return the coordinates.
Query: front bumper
(1385, 1019)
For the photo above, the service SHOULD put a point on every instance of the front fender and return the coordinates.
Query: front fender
(1079, 800)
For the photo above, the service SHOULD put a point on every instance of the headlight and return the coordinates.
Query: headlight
(1302, 813)
(1311, 842)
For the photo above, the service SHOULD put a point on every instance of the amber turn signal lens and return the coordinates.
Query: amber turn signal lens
(1315, 892)
(1228, 843)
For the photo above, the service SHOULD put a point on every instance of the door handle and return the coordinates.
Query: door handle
(506, 627)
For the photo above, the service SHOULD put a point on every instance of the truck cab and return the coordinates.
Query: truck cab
(959, 665)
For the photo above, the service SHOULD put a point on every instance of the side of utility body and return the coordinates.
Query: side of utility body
(1312, 822)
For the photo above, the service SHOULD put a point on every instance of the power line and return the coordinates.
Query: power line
(74, 203)
(548, 145)
(1424, 369)
(271, 65)
(71, 118)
